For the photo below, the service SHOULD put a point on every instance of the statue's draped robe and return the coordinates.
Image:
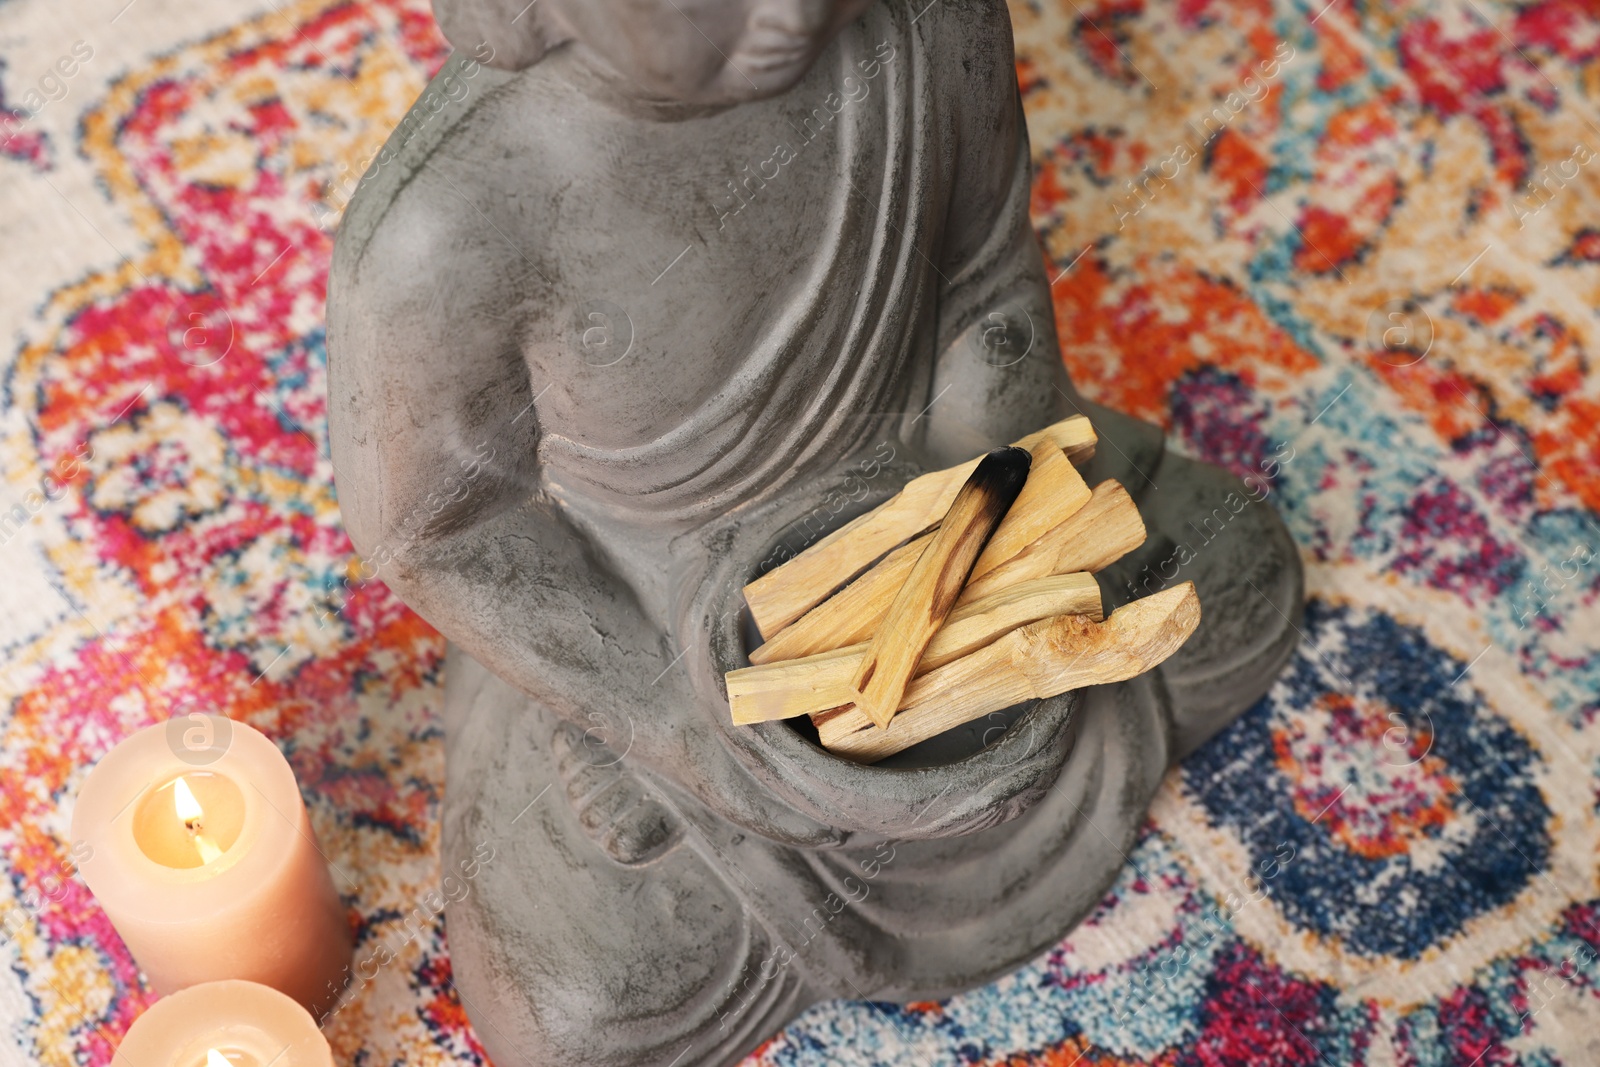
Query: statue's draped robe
(821, 223)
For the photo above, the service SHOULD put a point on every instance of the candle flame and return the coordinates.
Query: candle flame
(191, 813)
(215, 1058)
(209, 852)
(189, 809)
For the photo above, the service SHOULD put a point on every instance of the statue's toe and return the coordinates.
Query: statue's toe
(614, 808)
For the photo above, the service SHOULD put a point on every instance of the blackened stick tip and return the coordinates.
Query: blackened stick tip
(1001, 474)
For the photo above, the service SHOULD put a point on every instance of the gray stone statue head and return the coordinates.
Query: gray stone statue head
(705, 52)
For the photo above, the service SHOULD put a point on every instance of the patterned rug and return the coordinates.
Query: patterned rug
(1355, 248)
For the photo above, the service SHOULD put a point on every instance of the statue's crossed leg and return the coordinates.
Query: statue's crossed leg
(617, 924)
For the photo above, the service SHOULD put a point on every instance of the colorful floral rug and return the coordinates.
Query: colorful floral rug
(1355, 247)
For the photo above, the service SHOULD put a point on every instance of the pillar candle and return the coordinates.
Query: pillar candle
(201, 854)
(224, 1024)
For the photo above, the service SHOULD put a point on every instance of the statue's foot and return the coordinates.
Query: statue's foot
(613, 808)
(1208, 526)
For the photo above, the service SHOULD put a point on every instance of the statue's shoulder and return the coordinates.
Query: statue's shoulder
(398, 193)
(971, 41)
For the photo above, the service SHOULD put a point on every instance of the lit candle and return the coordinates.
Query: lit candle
(224, 1024)
(203, 857)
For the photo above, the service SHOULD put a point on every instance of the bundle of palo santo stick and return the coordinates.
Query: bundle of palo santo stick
(973, 591)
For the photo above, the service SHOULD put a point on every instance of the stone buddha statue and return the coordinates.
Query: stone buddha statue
(665, 289)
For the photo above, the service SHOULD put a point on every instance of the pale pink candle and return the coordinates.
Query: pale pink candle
(202, 855)
(224, 1024)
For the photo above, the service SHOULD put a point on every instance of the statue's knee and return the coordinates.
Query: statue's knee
(578, 958)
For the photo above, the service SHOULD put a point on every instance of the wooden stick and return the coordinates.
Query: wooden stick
(1104, 530)
(817, 683)
(852, 614)
(1041, 659)
(1089, 538)
(785, 593)
(1052, 494)
(935, 583)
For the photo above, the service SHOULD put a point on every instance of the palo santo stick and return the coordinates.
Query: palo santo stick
(1041, 659)
(850, 615)
(936, 581)
(1052, 494)
(1083, 538)
(1104, 530)
(785, 593)
(817, 683)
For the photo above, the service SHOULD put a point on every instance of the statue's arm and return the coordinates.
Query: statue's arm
(434, 434)
(998, 367)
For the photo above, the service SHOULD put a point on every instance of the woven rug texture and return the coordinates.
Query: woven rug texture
(1353, 249)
